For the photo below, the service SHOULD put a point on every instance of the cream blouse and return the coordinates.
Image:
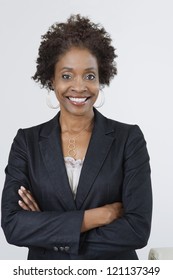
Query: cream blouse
(73, 168)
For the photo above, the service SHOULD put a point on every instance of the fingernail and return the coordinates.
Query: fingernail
(20, 191)
(20, 202)
(22, 188)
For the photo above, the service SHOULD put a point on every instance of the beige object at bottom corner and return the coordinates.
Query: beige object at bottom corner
(162, 253)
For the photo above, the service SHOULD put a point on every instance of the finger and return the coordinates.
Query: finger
(28, 202)
(25, 190)
(23, 205)
(34, 203)
(117, 205)
(31, 198)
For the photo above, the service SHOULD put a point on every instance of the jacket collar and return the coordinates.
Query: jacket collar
(100, 123)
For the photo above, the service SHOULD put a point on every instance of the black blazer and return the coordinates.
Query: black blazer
(116, 168)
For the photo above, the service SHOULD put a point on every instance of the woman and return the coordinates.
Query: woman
(78, 186)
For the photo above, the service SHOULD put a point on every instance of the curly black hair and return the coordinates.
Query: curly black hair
(79, 32)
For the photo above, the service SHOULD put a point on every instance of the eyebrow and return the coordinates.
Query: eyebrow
(86, 69)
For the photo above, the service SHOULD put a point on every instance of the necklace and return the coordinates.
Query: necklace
(71, 145)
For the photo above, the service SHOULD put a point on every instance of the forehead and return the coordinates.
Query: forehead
(77, 58)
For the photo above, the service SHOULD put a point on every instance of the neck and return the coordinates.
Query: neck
(74, 123)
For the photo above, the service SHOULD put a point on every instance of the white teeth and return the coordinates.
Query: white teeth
(77, 100)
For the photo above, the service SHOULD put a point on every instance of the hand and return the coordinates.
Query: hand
(101, 216)
(28, 202)
(112, 212)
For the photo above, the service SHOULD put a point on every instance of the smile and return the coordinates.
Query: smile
(78, 100)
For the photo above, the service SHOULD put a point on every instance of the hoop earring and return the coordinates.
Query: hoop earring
(49, 103)
(102, 101)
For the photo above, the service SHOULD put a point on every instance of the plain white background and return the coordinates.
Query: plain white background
(141, 93)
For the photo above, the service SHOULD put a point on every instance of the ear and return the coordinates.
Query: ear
(52, 82)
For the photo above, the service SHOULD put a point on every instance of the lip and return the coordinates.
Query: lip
(75, 100)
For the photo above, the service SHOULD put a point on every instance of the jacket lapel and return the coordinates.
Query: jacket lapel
(102, 138)
(50, 147)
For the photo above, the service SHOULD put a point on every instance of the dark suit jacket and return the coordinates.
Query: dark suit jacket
(116, 168)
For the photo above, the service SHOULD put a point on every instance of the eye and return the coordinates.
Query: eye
(90, 77)
(66, 76)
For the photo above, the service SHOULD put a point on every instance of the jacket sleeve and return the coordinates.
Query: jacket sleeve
(133, 229)
(47, 229)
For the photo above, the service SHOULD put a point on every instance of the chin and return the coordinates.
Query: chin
(78, 109)
(82, 112)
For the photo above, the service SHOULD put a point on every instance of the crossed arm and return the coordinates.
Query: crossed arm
(93, 218)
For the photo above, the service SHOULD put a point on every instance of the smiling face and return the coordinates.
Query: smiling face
(76, 82)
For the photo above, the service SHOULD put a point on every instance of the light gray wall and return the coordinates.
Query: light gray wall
(141, 93)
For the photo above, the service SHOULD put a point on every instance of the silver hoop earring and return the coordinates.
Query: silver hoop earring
(102, 100)
(49, 103)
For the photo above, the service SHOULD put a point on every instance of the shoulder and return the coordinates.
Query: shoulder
(119, 125)
(129, 137)
(124, 127)
(120, 128)
(50, 123)
(34, 132)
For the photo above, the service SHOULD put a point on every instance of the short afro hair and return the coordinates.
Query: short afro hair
(76, 32)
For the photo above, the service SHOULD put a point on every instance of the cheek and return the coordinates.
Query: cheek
(95, 89)
(97, 92)
(58, 85)
(60, 89)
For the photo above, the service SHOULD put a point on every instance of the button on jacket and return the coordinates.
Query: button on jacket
(116, 169)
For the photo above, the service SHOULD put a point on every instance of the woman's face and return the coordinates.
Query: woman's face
(76, 81)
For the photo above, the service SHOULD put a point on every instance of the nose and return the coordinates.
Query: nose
(78, 85)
